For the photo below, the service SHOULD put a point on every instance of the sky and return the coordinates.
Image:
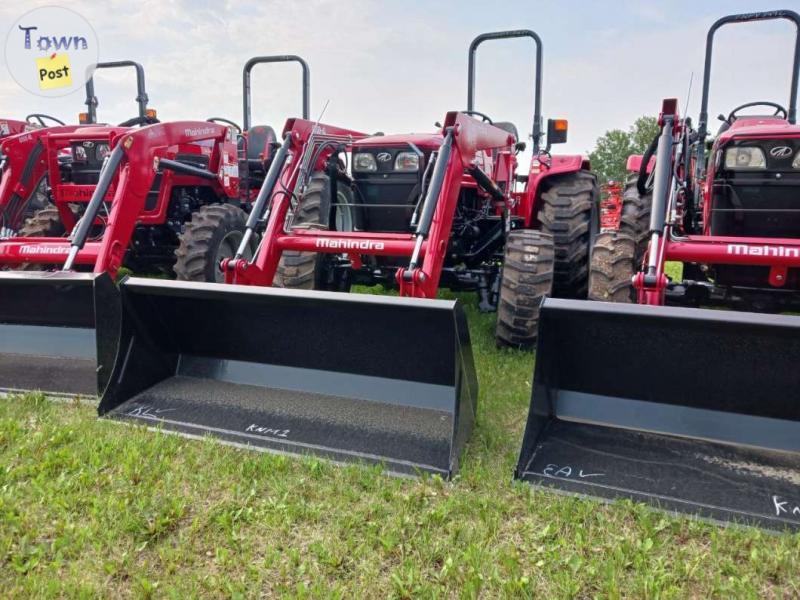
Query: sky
(400, 66)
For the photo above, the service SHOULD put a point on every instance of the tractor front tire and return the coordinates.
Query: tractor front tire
(213, 234)
(526, 278)
(307, 270)
(44, 223)
(569, 213)
(612, 269)
(635, 219)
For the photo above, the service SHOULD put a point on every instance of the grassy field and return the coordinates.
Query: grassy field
(91, 508)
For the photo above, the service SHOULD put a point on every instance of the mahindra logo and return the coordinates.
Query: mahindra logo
(383, 157)
(349, 244)
(198, 131)
(88, 144)
(780, 152)
(765, 250)
(35, 249)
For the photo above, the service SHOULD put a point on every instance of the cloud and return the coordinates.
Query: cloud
(400, 66)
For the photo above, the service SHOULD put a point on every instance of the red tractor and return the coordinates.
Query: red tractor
(39, 159)
(687, 408)
(423, 211)
(168, 201)
(360, 376)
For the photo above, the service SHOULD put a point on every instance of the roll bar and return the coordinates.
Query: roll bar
(790, 15)
(141, 94)
(537, 102)
(256, 60)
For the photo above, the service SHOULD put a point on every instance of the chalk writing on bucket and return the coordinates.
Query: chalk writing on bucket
(568, 472)
(267, 431)
(785, 507)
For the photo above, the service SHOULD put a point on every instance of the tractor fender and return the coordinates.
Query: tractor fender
(539, 171)
(635, 163)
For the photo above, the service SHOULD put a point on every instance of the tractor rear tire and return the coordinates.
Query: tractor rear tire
(307, 270)
(526, 279)
(213, 233)
(613, 266)
(44, 223)
(635, 219)
(569, 213)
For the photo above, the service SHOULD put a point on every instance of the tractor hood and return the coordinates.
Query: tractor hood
(427, 141)
(761, 127)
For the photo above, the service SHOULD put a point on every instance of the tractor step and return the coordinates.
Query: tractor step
(346, 376)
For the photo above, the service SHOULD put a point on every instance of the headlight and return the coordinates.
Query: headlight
(364, 162)
(102, 151)
(796, 161)
(745, 158)
(79, 154)
(407, 162)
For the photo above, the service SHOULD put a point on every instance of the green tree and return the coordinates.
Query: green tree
(613, 148)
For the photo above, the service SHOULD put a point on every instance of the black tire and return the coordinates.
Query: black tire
(44, 223)
(40, 199)
(213, 233)
(612, 268)
(526, 278)
(569, 213)
(635, 220)
(307, 270)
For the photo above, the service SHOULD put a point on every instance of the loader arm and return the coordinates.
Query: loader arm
(142, 153)
(463, 138)
(25, 164)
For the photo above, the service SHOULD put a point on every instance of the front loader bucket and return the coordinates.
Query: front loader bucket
(689, 409)
(47, 331)
(346, 376)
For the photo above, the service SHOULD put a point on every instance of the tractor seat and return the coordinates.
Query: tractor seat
(509, 127)
(260, 149)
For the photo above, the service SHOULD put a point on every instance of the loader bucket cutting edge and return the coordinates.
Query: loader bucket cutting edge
(346, 376)
(691, 410)
(47, 331)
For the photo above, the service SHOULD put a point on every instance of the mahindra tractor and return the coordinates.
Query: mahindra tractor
(687, 408)
(416, 212)
(163, 199)
(40, 160)
(280, 359)
(727, 212)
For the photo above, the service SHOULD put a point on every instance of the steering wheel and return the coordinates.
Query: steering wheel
(478, 114)
(779, 110)
(225, 121)
(145, 120)
(40, 118)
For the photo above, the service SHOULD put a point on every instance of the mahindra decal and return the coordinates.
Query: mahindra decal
(349, 244)
(764, 250)
(41, 249)
(199, 131)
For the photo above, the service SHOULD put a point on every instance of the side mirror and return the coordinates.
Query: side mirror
(556, 131)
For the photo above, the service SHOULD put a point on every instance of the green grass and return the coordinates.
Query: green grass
(92, 508)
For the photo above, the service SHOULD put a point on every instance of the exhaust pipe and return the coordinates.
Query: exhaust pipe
(299, 372)
(689, 409)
